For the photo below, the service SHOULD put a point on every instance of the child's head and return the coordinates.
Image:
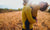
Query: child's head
(43, 6)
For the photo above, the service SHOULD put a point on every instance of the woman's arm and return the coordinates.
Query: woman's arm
(29, 15)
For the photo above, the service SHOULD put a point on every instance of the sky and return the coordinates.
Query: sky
(15, 4)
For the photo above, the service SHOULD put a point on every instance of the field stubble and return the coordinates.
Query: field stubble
(13, 21)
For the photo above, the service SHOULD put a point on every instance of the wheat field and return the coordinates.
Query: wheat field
(13, 21)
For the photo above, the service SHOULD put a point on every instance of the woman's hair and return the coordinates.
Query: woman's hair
(25, 2)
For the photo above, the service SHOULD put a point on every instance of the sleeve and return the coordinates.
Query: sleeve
(23, 15)
(29, 15)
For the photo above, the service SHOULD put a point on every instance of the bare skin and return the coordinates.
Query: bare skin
(35, 10)
(35, 7)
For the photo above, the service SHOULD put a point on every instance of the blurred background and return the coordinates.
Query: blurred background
(11, 15)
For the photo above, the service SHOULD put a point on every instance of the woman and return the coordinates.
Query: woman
(29, 14)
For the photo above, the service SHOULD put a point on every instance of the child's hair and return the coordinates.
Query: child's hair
(44, 7)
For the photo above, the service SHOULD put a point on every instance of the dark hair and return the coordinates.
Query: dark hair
(44, 7)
